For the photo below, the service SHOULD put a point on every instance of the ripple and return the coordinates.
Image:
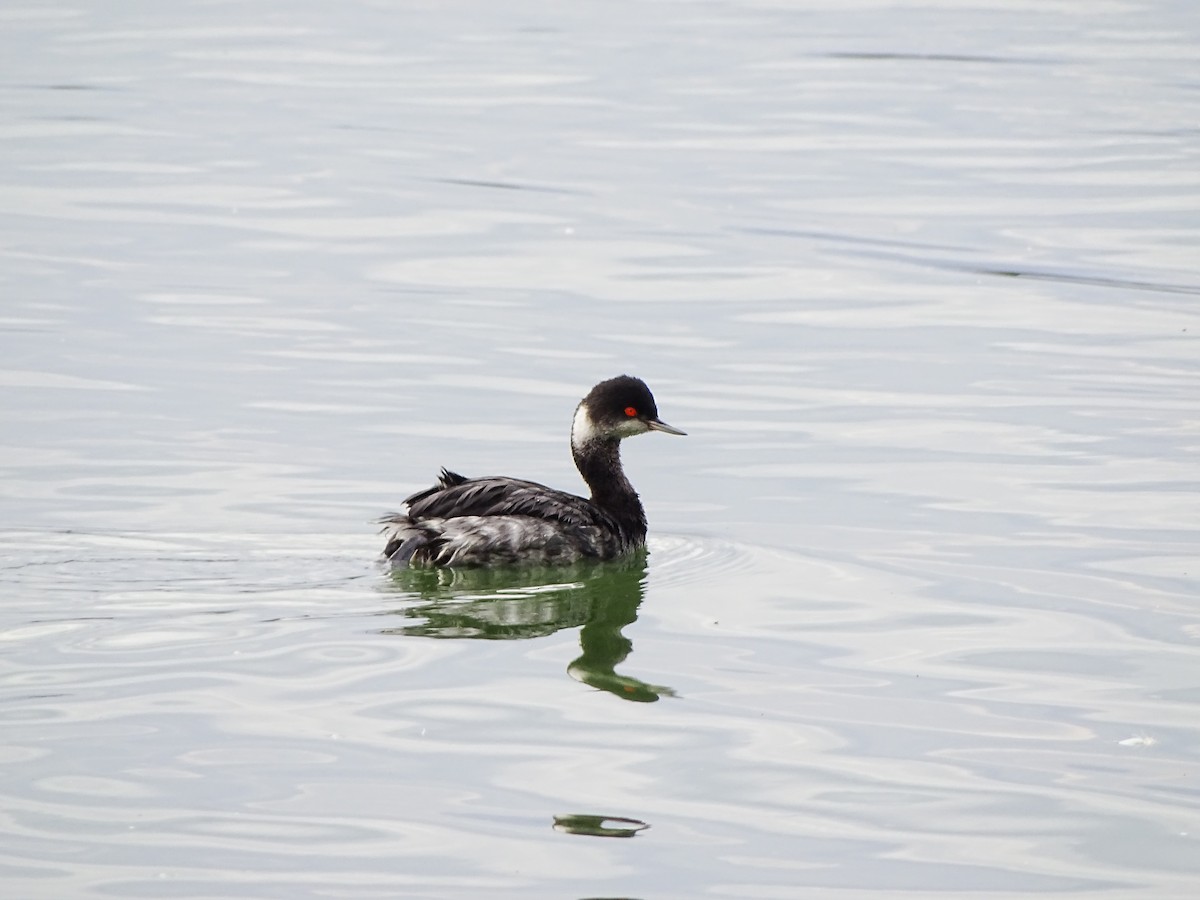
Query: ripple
(829, 688)
(928, 320)
(255, 756)
(89, 786)
(678, 559)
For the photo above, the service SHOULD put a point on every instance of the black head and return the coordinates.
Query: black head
(618, 408)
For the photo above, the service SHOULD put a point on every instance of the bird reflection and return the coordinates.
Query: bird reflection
(516, 604)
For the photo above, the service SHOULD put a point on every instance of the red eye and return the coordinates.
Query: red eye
(630, 411)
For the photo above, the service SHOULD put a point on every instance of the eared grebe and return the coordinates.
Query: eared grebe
(502, 521)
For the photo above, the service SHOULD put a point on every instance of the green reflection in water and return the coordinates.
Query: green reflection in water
(599, 826)
(520, 603)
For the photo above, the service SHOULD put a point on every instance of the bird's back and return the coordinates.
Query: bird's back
(498, 520)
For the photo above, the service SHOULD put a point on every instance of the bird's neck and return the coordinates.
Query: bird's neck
(599, 462)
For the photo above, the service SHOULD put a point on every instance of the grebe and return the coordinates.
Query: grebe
(497, 521)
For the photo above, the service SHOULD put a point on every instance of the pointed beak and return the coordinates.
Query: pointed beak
(656, 425)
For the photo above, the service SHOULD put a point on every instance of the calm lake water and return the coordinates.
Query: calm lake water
(921, 610)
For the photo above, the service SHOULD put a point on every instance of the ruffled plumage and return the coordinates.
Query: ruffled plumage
(498, 520)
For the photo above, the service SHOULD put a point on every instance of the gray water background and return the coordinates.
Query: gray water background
(920, 279)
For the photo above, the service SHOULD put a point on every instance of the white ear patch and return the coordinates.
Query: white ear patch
(583, 429)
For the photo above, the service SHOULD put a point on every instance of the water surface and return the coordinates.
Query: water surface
(919, 613)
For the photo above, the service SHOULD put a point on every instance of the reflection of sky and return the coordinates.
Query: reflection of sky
(919, 283)
(424, 237)
(932, 728)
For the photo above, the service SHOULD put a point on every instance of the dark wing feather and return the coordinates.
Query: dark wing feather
(455, 495)
(446, 479)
